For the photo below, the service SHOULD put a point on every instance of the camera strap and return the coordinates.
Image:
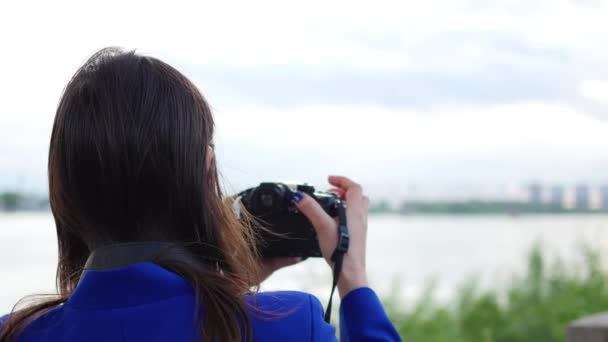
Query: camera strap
(338, 255)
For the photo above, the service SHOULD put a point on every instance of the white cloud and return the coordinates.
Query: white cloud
(380, 134)
(595, 90)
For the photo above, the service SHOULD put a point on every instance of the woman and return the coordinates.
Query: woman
(131, 167)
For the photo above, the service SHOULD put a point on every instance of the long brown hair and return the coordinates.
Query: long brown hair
(129, 160)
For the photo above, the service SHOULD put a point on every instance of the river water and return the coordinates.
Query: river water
(405, 253)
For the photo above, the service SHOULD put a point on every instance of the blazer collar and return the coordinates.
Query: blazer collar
(128, 253)
(131, 285)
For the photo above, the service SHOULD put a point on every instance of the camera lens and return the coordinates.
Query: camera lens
(269, 199)
(266, 200)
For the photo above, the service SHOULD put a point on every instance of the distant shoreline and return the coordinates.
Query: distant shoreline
(476, 207)
(480, 214)
(20, 202)
(409, 214)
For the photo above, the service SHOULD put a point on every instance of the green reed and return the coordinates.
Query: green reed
(534, 306)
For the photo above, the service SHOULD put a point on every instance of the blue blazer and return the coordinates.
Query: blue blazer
(145, 302)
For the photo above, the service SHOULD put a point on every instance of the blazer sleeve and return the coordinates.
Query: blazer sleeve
(362, 318)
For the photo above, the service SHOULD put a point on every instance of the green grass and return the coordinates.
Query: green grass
(534, 306)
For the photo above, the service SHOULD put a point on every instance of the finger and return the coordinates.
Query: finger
(341, 193)
(342, 182)
(353, 191)
(322, 222)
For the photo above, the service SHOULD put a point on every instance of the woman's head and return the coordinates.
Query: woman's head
(131, 159)
(128, 154)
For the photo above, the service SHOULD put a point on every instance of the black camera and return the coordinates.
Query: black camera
(287, 232)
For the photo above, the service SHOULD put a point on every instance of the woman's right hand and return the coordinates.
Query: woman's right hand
(354, 274)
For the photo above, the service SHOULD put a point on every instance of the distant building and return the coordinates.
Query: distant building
(604, 197)
(557, 196)
(582, 197)
(535, 194)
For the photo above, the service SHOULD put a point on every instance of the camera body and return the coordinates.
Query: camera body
(287, 232)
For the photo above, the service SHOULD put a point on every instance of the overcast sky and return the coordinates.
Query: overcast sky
(398, 94)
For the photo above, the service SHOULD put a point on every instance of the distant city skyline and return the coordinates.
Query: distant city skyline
(580, 196)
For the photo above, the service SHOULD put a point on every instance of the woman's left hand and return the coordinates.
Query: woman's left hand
(270, 265)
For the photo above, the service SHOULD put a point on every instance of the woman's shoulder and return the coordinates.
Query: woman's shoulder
(40, 324)
(278, 298)
(284, 304)
(3, 319)
(291, 315)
